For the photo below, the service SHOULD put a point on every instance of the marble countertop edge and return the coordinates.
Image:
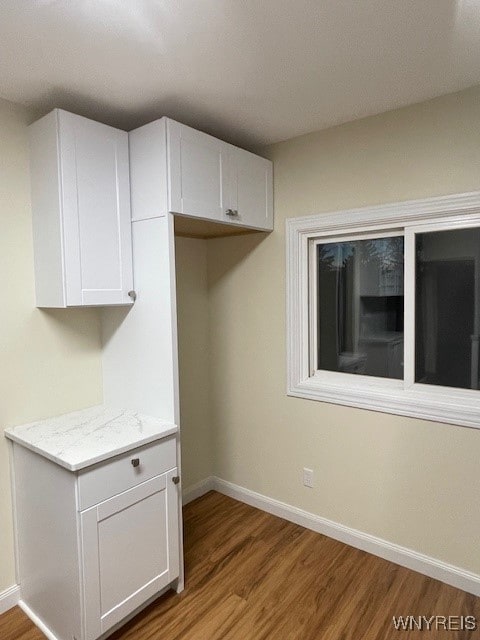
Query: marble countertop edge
(88, 436)
(107, 455)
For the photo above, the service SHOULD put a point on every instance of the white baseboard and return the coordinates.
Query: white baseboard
(9, 598)
(37, 621)
(197, 490)
(402, 556)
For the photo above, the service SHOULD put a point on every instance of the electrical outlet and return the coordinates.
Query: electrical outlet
(308, 477)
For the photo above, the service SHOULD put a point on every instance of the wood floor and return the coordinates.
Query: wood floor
(252, 576)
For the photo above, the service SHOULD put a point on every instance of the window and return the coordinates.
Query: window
(384, 308)
(358, 293)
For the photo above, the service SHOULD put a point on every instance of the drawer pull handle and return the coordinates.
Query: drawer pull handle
(135, 462)
(176, 479)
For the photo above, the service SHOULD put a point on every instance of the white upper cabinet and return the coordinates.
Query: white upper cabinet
(198, 171)
(177, 169)
(250, 189)
(81, 212)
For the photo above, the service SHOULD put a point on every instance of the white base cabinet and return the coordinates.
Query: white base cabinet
(130, 551)
(84, 568)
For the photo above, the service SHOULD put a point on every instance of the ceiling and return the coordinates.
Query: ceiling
(249, 71)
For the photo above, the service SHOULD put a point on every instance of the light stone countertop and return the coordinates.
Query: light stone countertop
(79, 439)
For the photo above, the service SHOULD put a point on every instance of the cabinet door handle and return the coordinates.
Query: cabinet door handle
(176, 479)
(135, 462)
(232, 212)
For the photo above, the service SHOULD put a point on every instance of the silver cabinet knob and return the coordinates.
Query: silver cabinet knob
(133, 295)
(176, 479)
(135, 462)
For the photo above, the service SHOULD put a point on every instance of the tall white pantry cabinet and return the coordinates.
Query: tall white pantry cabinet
(103, 204)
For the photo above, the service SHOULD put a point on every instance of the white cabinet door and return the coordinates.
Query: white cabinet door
(130, 551)
(96, 206)
(197, 165)
(81, 212)
(251, 190)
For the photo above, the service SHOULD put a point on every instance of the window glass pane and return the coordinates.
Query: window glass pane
(360, 307)
(447, 320)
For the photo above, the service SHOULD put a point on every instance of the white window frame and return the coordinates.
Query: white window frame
(400, 397)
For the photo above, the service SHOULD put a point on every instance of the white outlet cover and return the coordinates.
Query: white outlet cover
(308, 477)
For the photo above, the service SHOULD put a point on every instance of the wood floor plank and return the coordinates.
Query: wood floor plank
(14, 625)
(252, 576)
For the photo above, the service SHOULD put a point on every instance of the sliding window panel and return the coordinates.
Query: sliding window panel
(447, 307)
(360, 306)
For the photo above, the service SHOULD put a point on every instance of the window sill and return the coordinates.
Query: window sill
(455, 408)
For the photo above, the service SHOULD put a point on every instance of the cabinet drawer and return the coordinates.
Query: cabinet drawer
(109, 478)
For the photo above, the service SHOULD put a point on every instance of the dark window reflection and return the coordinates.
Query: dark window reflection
(447, 308)
(360, 307)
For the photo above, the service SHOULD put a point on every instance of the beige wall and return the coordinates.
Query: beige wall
(49, 359)
(193, 356)
(412, 482)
